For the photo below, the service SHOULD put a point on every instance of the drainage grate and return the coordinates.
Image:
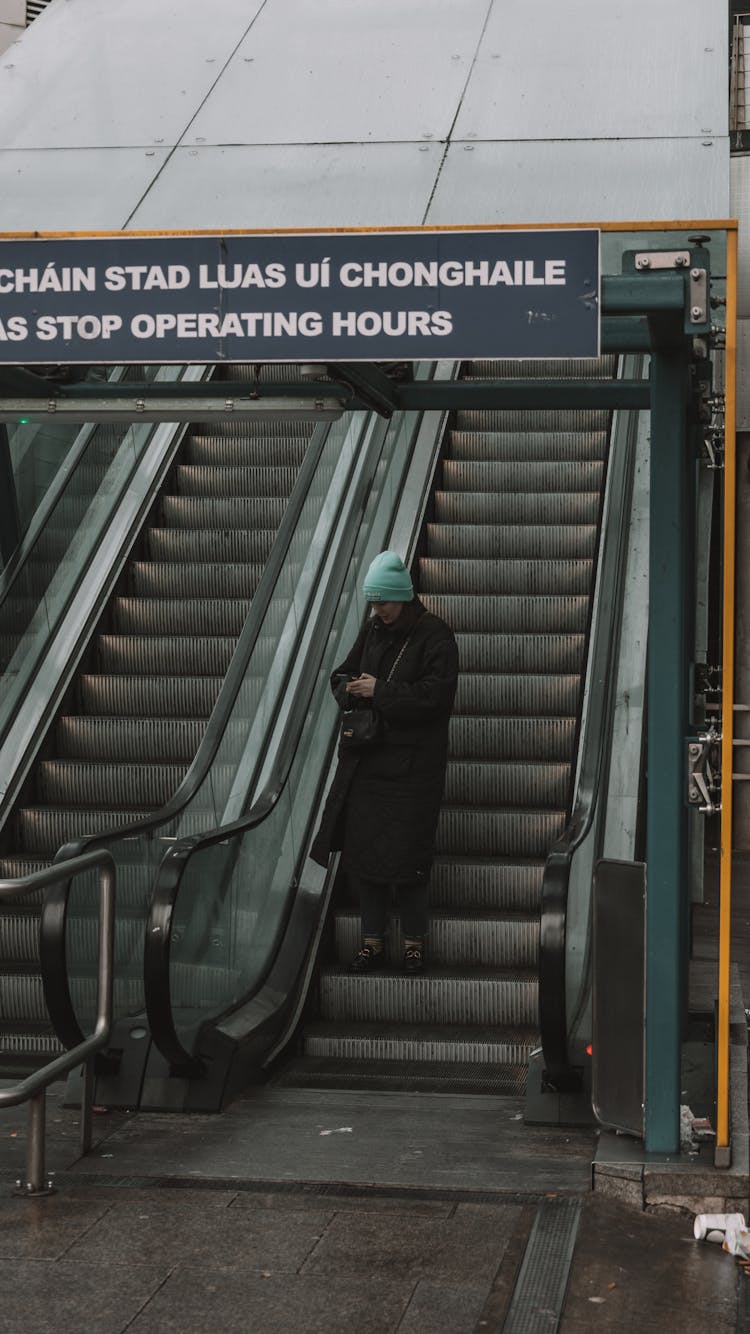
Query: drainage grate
(539, 1293)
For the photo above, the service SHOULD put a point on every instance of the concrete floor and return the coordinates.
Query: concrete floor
(343, 1211)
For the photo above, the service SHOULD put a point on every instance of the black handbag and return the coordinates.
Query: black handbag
(361, 727)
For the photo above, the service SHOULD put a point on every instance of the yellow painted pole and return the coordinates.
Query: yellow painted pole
(723, 1150)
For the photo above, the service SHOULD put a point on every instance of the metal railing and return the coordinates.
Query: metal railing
(34, 1087)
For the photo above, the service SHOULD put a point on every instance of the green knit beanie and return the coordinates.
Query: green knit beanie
(388, 580)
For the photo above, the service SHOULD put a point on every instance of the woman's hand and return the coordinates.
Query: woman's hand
(363, 686)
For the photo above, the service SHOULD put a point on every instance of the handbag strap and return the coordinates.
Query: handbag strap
(404, 647)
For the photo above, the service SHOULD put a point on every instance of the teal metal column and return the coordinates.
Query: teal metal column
(666, 862)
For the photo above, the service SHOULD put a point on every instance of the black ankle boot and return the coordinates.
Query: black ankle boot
(414, 956)
(367, 960)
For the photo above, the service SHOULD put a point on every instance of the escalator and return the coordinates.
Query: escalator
(508, 559)
(503, 526)
(135, 713)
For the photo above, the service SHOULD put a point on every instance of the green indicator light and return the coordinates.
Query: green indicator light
(23, 421)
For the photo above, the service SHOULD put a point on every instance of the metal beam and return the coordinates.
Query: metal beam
(158, 409)
(626, 294)
(524, 394)
(666, 888)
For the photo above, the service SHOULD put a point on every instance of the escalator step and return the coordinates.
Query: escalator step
(199, 480)
(19, 933)
(449, 1043)
(548, 446)
(179, 616)
(531, 368)
(525, 577)
(523, 739)
(229, 511)
(541, 654)
(521, 477)
(249, 546)
(516, 507)
(518, 694)
(22, 997)
(150, 654)
(479, 833)
(511, 541)
(149, 696)
(76, 783)
(31, 1045)
(243, 450)
(498, 783)
(163, 579)
(494, 885)
(519, 615)
(42, 829)
(434, 997)
(474, 941)
(405, 1077)
(532, 419)
(124, 739)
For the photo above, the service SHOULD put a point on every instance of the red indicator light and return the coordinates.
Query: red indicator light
(589, 1049)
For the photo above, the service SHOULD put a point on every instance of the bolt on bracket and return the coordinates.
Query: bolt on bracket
(703, 769)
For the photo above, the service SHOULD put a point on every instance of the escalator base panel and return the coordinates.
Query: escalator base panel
(404, 1077)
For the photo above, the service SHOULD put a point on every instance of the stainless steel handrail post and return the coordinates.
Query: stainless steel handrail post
(87, 1103)
(33, 1088)
(36, 1182)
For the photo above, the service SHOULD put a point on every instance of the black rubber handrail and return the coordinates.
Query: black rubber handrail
(158, 936)
(559, 1072)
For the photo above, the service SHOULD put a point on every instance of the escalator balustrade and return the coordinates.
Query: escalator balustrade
(135, 715)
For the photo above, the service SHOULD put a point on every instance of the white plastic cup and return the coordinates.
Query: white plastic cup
(712, 1227)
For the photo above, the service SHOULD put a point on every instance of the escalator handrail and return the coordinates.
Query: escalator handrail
(54, 914)
(158, 936)
(553, 1018)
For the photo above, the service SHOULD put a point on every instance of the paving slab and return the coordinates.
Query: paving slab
(195, 1303)
(68, 1297)
(636, 1271)
(461, 1249)
(184, 1236)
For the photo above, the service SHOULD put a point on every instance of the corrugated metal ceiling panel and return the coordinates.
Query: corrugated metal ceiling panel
(82, 189)
(340, 185)
(95, 74)
(579, 70)
(345, 72)
(597, 180)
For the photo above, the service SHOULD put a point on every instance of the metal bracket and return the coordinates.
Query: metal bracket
(704, 771)
(713, 442)
(662, 259)
(698, 297)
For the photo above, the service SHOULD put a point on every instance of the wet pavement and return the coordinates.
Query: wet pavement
(304, 1211)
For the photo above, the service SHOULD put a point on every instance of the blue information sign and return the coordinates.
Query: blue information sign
(335, 296)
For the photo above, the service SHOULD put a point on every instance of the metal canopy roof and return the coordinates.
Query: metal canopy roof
(383, 112)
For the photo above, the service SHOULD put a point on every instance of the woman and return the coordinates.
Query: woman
(383, 806)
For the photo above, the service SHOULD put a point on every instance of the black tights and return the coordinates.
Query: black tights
(375, 902)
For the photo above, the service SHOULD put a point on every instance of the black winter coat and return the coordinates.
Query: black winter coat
(382, 809)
